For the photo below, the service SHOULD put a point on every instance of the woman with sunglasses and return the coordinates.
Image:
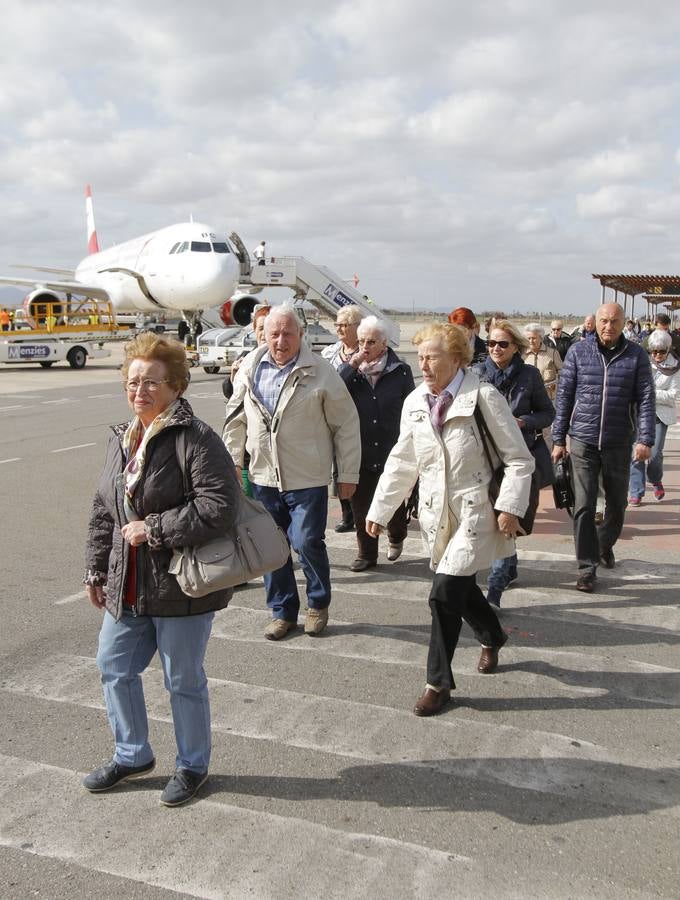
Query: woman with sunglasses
(141, 513)
(523, 388)
(666, 373)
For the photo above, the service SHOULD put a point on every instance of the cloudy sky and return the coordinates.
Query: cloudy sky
(488, 154)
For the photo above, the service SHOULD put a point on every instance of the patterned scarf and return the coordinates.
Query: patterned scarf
(373, 370)
(135, 434)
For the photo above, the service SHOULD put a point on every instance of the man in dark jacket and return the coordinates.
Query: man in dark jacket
(557, 339)
(605, 397)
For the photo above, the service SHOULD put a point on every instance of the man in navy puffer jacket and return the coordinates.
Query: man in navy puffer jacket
(604, 398)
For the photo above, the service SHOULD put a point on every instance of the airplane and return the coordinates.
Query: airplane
(183, 268)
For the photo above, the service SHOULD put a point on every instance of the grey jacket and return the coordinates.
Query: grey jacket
(172, 520)
(314, 421)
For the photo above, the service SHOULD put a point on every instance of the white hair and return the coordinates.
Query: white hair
(534, 326)
(282, 312)
(660, 340)
(372, 323)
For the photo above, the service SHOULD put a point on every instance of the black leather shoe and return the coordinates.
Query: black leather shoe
(607, 559)
(488, 660)
(586, 582)
(343, 527)
(182, 787)
(360, 565)
(431, 702)
(112, 773)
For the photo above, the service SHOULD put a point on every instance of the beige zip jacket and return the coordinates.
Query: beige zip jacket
(315, 420)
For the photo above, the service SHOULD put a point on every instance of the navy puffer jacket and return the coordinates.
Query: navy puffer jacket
(602, 401)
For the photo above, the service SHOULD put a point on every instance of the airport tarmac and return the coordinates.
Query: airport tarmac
(556, 777)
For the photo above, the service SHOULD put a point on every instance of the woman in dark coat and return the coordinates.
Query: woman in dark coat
(378, 382)
(523, 388)
(141, 514)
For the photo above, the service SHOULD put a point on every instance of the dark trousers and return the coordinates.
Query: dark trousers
(397, 528)
(347, 514)
(452, 599)
(588, 463)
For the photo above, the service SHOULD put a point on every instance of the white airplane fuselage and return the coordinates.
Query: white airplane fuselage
(182, 267)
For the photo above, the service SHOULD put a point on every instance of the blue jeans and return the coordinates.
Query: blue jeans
(654, 464)
(125, 649)
(302, 515)
(502, 571)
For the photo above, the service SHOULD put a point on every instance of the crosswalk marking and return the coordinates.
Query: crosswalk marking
(244, 853)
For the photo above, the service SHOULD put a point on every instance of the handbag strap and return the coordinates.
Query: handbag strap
(485, 435)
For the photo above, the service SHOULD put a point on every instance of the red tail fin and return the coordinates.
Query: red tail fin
(92, 242)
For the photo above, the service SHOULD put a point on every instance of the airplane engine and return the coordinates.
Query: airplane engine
(238, 310)
(36, 309)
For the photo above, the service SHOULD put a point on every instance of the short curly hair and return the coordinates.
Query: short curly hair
(454, 338)
(154, 347)
(350, 314)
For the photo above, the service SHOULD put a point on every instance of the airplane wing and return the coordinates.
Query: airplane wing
(66, 273)
(64, 287)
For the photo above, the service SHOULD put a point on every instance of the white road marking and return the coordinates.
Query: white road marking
(100, 396)
(6, 408)
(72, 599)
(63, 400)
(74, 447)
(259, 850)
(11, 459)
(486, 752)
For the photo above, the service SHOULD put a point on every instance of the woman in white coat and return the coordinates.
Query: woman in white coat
(439, 443)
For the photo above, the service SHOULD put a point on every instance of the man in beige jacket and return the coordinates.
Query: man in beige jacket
(292, 412)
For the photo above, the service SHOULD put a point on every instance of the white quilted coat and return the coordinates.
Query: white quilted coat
(456, 518)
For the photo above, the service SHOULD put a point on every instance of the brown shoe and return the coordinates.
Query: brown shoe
(279, 628)
(488, 660)
(431, 702)
(316, 620)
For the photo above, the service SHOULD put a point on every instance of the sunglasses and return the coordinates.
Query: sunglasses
(502, 344)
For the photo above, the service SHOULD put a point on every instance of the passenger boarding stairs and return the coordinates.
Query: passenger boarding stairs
(317, 285)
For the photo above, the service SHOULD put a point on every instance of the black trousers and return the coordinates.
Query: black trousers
(397, 529)
(587, 464)
(452, 599)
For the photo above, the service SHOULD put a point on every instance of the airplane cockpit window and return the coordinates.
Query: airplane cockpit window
(200, 246)
(182, 247)
(174, 247)
(221, 247)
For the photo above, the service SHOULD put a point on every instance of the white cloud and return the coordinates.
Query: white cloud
(417, 144)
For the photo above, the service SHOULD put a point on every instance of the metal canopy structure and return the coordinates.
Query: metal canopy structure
(664, 289)
(672, 301)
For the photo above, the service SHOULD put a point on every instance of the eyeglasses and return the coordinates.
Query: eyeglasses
(366, 343)
(343, 325)
(657, 352)
(502, 344)
(148, 384)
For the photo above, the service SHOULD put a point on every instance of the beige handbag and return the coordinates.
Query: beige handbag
(254, 545)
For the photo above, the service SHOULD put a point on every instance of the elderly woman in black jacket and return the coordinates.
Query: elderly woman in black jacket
(522, 386)
(378, 382)
(141, 513)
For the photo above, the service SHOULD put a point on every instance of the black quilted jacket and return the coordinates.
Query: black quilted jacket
(172, 520)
